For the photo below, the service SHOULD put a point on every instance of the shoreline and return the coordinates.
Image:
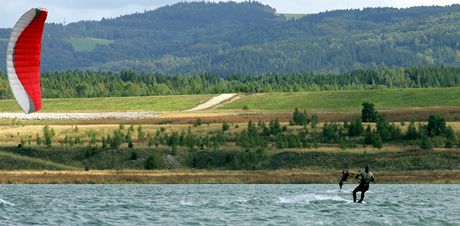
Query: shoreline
(285, 176)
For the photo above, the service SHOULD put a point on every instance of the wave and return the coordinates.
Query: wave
(307, 199)
(6, 203)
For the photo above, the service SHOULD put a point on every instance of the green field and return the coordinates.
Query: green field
(87, 44)
(114, 104)
(350, 100)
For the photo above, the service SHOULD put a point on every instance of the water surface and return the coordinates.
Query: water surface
(228, 205)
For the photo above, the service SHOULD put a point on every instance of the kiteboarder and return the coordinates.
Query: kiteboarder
(344, 177)
(365, 178)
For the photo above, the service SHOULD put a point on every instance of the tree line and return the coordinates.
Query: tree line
(83, 84)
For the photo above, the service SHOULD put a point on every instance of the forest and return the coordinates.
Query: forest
(83, 84)
(251, 38)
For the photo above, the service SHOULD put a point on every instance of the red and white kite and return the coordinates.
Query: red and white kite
(23, 59)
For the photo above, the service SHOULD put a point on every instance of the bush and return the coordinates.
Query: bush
(436, 126)
(198, 122)
(153, 162)
(355, 128)
(368, 112)
(133, 155)
(48, 135)
(140, 134)
(426, 143)
(377, 141)
(412, 133)
(225, 126)
(300, 118)
(314, 120)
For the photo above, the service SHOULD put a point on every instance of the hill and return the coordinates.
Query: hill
(251, 38)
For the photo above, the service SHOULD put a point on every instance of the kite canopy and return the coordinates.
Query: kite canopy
(23, 59)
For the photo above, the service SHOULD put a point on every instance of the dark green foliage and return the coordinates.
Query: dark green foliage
(377, 141)
(368, 135)
(355, 128)
(331, 133)
(109, 84)
(412, 132)
(130, 144)
(228, 38)
(436, 126)
(48, 134)
(117, 139)
(38, 139)
(198, 122)
(314, 120)
(225, 126)
(140, 134)
(251, 137)
(300, 118)
(368, 112)
(426, 143)
(155, 161)
(386, 130)
(134, 155)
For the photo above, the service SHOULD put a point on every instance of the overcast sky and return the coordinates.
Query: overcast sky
(76, 10)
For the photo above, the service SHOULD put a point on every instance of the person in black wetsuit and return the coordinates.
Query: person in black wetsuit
(344, 177)
(365, 178)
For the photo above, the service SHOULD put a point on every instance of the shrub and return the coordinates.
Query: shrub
(377, 141)
(436, 126)
(368, 112)
(426, 143)
(133, 155)
(140, 133)
(48, 135)
(198, 122)
(355, 128)
(153, 162)
(225, 126)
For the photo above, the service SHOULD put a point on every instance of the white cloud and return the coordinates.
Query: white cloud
(76, 10)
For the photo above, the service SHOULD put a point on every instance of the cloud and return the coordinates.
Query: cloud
(76, 10)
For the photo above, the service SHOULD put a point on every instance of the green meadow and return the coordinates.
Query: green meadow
(114, 104)
(350, 99)
(87, 44)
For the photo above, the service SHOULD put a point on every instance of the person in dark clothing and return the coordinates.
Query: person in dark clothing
(365, 178)
(344, 177)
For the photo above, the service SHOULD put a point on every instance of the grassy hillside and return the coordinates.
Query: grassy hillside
(114, 104)
(13, 161)
(349, 100)
(87, 44)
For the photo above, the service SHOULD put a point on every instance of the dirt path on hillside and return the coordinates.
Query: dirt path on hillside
(213, 102)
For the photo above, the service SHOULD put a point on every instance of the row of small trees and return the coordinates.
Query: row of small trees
(433, 134)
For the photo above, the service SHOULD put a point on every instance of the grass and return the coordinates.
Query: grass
(87, 44)
(15, 161)
(113, 104)
(293, 176)
(350, 99)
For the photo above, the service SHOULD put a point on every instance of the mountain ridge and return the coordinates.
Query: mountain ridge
(251, 38)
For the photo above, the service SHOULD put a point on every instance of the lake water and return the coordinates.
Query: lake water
(227, 205)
